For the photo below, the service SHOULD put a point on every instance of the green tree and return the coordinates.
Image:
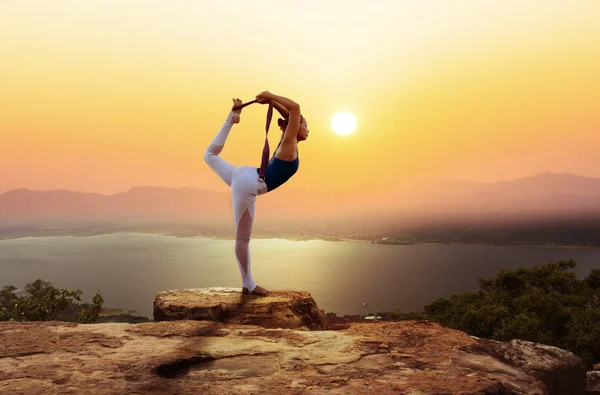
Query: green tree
(44, 302)
(593, 280)
(545, 304)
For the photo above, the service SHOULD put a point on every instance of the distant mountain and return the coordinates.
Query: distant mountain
(542, 195)
(140, 203)
(146, 204)
(543, 185)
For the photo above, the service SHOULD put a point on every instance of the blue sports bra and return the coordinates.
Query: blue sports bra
(278, 171)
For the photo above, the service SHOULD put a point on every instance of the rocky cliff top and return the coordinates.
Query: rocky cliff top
(208, 357)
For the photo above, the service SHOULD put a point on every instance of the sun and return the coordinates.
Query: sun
(343, 122)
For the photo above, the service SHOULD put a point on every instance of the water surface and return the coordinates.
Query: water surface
(129, 269)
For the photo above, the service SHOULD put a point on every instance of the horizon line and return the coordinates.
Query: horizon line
(302, 189)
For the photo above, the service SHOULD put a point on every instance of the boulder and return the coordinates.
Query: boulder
(541, 361)
(280, 309)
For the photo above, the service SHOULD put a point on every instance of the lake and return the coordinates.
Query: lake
(129, 269)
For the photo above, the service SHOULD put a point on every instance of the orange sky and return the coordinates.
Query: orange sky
(105, 96)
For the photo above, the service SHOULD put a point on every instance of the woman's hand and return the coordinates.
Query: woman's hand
(264, 97)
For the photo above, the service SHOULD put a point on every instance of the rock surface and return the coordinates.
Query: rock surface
(203, 357)
(593, 381)
(281, 309)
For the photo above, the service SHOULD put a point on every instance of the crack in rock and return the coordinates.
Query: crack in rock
(23, 354)
(209, 368)
(181, 366)
(207, 363)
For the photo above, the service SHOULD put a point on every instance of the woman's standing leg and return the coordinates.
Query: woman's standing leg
(244, 188)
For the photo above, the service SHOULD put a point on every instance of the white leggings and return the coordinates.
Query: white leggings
(245, 186)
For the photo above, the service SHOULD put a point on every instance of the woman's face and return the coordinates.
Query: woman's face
(302, 132)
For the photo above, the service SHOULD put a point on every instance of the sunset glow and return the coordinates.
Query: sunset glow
(105, 96)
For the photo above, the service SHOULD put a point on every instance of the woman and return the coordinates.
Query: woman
(245, 182)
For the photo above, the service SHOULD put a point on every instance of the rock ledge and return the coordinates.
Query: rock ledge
(281, 309)
(202, 357)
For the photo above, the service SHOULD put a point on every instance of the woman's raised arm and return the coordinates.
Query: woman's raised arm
(280, 108)
(291, 106)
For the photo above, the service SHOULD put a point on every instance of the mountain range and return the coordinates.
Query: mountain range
(538, 196)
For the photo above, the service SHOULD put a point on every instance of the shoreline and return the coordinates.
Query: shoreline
(91, 233)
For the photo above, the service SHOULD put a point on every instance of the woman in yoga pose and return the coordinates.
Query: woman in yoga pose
(245, 181)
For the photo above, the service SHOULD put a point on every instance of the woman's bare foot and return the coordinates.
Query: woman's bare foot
(258, 291)
(236, 112)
